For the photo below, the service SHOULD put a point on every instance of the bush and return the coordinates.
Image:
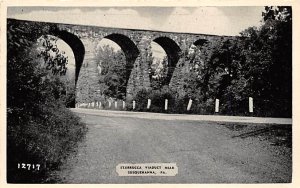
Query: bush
(179, 105)
(46, 139)
(202, 107)
(141, 100)
(272, 108)
(157, 101)
(230, 104)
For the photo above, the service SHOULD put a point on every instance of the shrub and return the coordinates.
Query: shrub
(141, 100)
(157, 101)
(46, 139)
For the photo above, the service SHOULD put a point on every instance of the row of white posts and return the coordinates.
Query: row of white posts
(217, 105)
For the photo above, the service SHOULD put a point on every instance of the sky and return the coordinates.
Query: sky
(205, 20)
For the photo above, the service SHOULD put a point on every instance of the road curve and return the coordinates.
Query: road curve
(205, 152)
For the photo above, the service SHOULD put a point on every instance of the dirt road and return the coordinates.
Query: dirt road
(204, 152)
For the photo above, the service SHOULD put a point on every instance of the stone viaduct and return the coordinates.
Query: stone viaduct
(135, 44)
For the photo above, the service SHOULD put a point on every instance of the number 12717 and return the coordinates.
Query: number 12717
(28, 166)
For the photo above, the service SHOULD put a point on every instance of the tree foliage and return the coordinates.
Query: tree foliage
(112, 72)
(54, 59)
(158, 72)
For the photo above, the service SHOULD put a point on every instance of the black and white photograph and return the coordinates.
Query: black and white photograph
(149, 94)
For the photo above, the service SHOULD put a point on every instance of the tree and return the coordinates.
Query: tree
(39, 127)
(56, 61)
(158, 73)
(279, 13)
(209, 69)
(268, 64)
(113, 75)
(257, 64)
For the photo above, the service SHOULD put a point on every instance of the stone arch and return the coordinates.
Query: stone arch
(78, 51)
(128, 47)
(76, 45)
(197, 44)
(173, 53)
(200, 42)
(195, 57)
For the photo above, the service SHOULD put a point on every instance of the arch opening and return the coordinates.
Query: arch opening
(173, 55)
(76, 45)
(111, 70)
(196, 61)
(159, 66)
(78, 50)
(128, 47)
(54, 48)
(106, 76)
(200, 42)
(131, 52)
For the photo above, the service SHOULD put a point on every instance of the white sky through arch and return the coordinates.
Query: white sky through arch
(62, 45)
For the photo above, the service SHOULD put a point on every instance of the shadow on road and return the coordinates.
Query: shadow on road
(278, 135)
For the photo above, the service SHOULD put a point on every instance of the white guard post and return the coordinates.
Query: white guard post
(166, 104)
(149, 103)
(217, 105)
(189, 105)
(250, 104)
(123, 104)
(133, 104)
